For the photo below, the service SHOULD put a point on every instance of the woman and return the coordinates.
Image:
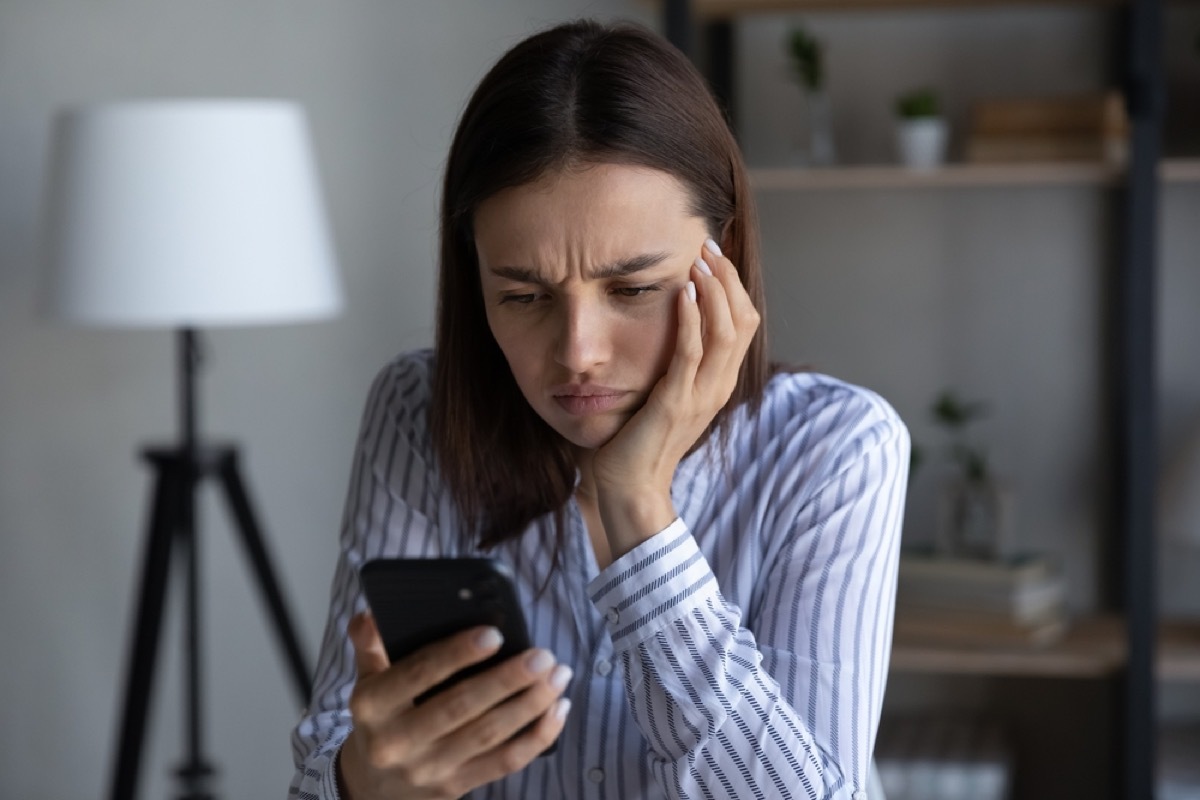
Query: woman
(707, 547)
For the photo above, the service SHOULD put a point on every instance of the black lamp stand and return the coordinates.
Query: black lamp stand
(170, 546)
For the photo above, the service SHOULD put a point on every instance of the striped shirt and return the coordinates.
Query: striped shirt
(742, 652)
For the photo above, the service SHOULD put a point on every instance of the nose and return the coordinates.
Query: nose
(583, 341)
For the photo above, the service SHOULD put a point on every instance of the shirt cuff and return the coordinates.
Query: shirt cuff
(329, 781)
(652, 585)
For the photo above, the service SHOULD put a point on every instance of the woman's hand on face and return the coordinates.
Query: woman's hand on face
(634, 470)
(463, 737)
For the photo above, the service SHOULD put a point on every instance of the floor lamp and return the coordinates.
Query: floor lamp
(181, 215)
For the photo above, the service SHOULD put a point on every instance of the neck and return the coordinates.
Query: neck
(586, 490)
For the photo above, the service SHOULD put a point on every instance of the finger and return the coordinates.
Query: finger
(714, 302)
(504, 721)
(412, 676)
(716, 374)
(469, 700)
(370, 657)
(745, 315)
(689, 348)
(690, 335)
(516, 754)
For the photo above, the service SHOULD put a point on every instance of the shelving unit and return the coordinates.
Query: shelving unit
(1066, 173)
(1126, 645)
(729, 9)
(1094, 647)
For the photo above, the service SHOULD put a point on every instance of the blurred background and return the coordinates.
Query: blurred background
(996, 291)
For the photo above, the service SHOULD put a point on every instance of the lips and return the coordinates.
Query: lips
(584, 399)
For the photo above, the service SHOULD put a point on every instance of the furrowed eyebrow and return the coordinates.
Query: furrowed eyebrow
(617, 269)
(629, 266)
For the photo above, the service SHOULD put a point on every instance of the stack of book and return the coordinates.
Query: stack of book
(1015, 601)
(1070, 128)
(1178, 762)
(943, 759)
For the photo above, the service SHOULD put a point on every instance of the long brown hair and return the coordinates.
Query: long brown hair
(579, 93)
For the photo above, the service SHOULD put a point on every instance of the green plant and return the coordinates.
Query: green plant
(918, 104)
(956, 415)
(806, 58)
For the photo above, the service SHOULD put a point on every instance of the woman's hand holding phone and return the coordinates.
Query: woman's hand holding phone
(463, 737)
(717, 321)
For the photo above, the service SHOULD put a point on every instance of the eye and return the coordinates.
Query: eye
(635, 291)
(519, 299)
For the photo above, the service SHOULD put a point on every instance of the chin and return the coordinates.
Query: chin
(590, 434)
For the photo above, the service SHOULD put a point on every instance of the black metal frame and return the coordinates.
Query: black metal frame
(1135, 407)
(1132, 369)
(179, 471)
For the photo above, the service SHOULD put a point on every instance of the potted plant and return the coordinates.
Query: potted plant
(975, 507)
(806, 59)
(921, 130)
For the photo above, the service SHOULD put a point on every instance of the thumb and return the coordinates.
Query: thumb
(370, 657)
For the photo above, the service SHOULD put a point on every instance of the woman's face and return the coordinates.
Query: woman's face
(581, 274)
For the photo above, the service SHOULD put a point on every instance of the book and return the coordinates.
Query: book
(997, 148)
(959, 628)
(1088, 127)
(1022, 588)
(944, 758)
(1064, 116)
(927, 564)
(1023, 605)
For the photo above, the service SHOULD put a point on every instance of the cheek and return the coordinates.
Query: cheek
(649, 339)
(520, 349)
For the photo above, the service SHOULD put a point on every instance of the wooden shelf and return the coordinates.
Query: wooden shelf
(726, 9)
(897, 177)
(1093, 647)
(1179, 650)
(1066, 173)
(1180, 170)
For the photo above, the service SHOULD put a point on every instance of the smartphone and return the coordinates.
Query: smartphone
(419, 601)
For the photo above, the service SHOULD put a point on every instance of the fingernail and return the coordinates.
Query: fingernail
(691, 291)
(561, 709)
(539, 661)
(712, 247)
(489, 639)
(560, 677)
(702, 265)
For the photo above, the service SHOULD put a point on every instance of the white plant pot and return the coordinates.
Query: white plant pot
(922, 142)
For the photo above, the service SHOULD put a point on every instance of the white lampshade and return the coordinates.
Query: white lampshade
(186, 213)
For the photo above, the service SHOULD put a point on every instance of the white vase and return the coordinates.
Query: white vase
(922, 142)
(815, 147)
(975, 519)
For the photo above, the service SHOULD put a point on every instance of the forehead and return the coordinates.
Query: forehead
(585, 204)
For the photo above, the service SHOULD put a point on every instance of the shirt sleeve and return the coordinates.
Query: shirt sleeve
(784, 703)
(391, 510)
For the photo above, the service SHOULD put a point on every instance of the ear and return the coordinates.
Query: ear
(725, 239)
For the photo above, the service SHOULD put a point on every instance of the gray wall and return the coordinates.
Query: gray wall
(993, 291)
(383, 83)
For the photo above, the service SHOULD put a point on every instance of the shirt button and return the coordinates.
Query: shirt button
(603, 668)
(859, 796)
(611, 616)
(595, 775)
